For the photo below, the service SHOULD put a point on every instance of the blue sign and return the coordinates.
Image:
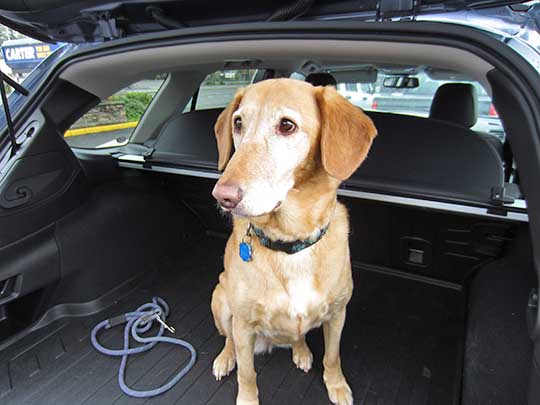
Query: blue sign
(25, 57)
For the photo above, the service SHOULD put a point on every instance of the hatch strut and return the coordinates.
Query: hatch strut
(5, 79)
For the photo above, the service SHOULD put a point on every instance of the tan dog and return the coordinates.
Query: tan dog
(294, 144)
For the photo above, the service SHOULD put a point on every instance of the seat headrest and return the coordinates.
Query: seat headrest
(321, 79)
(455, 103)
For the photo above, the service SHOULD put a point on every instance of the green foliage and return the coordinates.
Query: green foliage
(7, 33)
(135, 102)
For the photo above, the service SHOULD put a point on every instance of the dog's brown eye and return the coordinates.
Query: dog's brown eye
(238, 124)
(286, 127)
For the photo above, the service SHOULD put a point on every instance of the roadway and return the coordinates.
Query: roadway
(92, 141)
(209, 97)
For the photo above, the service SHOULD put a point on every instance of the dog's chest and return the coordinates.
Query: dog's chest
(300, 296)
(294, 304)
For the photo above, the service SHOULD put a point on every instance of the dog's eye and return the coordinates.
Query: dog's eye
(238, 124)
(286, 127)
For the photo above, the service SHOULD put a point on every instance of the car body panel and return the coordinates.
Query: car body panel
(90, 21)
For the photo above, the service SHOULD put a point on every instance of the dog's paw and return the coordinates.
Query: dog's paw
(223, 364)
(302, 357)
(340, 394)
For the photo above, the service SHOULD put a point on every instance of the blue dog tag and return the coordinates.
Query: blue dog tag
(245, 252)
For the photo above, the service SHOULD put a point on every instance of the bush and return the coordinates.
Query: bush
(135, 102)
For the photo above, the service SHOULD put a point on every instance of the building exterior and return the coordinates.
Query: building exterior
(22, 55)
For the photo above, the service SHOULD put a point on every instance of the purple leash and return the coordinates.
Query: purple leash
(139, 322)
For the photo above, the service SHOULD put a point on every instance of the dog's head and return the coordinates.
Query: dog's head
(282, 129)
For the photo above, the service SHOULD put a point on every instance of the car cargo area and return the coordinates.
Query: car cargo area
(437, 315)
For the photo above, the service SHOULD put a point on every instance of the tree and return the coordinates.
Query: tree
(7, 33)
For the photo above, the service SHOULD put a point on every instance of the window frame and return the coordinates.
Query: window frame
(105, 145)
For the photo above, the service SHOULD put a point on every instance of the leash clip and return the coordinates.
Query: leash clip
(149, 317)
(161, 321)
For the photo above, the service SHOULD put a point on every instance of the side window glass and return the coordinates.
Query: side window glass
(219, 88)
(114, 119)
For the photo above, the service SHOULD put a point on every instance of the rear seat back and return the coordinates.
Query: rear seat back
(411, 155)
(188, 139)
(428, 157)
(457, 103)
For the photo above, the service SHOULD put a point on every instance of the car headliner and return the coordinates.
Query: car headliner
(126, 67)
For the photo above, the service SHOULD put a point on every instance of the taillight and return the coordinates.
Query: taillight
(492, 111)
(374, 105)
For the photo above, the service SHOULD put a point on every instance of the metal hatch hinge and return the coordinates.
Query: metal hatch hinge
(397, 10)
(107, 26)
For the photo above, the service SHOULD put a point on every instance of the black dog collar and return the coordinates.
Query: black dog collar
(246, 250)
(288, 247)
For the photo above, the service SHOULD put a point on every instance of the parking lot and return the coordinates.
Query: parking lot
(209, 97)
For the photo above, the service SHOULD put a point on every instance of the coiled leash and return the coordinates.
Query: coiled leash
(139, 322)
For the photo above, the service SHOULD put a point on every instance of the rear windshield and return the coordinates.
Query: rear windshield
(218, 88)
(417, 101)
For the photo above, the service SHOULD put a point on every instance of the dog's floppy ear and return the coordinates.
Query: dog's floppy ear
(223, 130)
(346, 133)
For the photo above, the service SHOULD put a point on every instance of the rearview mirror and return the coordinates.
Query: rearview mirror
(401, 82)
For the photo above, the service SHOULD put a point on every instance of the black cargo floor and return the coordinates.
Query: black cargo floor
(402, 344)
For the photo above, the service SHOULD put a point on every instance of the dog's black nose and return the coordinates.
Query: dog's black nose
(228, 195)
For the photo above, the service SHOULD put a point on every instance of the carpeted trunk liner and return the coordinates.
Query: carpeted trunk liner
(402, 344)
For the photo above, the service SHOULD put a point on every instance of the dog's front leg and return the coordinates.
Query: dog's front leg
(338, 389)
(244, 344)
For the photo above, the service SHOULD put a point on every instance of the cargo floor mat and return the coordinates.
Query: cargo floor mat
(402, 344)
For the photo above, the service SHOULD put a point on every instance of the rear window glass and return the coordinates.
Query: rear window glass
(416, 101)
(219, 88)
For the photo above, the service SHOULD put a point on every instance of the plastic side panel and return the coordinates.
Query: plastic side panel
(32, 263)
(534, 380)
(438, 245)
(43, 185)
